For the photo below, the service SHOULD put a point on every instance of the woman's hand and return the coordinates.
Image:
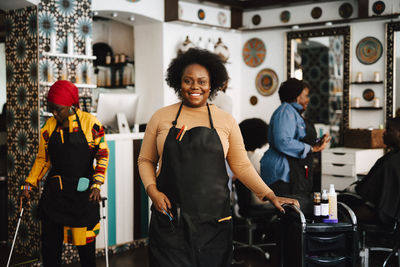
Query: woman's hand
(322, 144)
(95, 194)
(279, 201)
(160, 200)
(25, 196)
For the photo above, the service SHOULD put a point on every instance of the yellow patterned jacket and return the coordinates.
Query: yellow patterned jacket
(94, 133)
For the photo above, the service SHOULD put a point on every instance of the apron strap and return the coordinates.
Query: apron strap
(177, 115)
(179, 112)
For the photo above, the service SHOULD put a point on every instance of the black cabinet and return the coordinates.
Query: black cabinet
(307, 244)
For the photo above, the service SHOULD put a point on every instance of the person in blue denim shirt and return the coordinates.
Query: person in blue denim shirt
(287, 165)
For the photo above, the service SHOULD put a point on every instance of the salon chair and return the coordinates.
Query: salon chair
(250, 223)
(373, 232)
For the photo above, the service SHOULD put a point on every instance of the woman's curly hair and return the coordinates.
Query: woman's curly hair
(212, 62)
(254, 132)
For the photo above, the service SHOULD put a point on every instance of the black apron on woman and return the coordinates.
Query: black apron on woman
(71, 159)
(301, 170)
(194, 178)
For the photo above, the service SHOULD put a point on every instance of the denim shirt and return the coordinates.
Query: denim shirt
(285, 130)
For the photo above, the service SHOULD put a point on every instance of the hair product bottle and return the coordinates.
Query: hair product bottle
(317, 207)
(332, 197)
(324, 205)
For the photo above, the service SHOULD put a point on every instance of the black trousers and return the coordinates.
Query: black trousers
(52, 244)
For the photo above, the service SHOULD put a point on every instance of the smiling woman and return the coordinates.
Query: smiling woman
(190, 142)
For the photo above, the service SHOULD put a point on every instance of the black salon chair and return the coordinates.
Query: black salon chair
(251, 223)
(372, 234)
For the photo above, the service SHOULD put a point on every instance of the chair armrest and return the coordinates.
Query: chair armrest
(291, 207)
(351, 213)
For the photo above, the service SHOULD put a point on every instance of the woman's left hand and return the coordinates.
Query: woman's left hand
(95, 195)
(279, 201)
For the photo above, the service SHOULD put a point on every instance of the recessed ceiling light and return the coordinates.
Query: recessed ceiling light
(115, 14)
(95, 13)
(132, 18)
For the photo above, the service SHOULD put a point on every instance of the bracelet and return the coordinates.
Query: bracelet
(97, 186)
(26, 188)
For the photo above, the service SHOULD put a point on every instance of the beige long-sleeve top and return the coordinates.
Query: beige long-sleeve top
(229, 133)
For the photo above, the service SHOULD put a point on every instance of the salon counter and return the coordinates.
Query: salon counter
(127, 204)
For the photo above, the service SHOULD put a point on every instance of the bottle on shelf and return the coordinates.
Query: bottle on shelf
(324, 205)
(332, 197)
(317, 207)
(64, 72)
(108, 58)
(70, 43)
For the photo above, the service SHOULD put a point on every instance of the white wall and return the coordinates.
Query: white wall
(149, 69)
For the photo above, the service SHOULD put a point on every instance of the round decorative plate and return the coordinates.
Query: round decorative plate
(221, 18)
(316, 12)
(253, 52)
(368, 94)
(201, 14)
(253, 100)
(369, 50)
(345, 10)
(285, 16)
(266, 82)
(256, 19)
(378, 7)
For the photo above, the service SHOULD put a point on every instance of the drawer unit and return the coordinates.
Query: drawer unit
(340, 165)
(340, 182)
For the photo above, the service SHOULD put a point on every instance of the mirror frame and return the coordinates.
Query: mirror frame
(391, 27)
(335, 31)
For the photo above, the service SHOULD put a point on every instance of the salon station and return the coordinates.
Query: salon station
(117, 53)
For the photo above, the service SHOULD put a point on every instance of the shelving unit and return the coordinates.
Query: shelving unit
(79, 85)
(367, 82)
(367, 108)
(48, 54)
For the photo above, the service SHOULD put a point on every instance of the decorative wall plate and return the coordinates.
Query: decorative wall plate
(253, 100)
(221, 18)
(316, 12)
(346, 10)
(256, 19)
(201, 14)
(285, 16)
(369, 50)
(378, 7)
(266, 82)
(253, 52)
(368, 94)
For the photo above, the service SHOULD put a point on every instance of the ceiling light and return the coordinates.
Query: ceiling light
(132, 18)
(95, 13)
(295, 27)
(328, 23)
(114, 15)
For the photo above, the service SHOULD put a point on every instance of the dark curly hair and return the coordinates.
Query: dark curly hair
(212, 62)
(254, 132)
(291, 89)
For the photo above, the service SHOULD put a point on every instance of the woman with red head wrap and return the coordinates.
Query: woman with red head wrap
(69, 205)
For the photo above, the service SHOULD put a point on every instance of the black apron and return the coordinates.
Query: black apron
(301, 170)
(70, 160)
(194, 178)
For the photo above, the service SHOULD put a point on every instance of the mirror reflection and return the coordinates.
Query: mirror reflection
(321, 58)
(319, 62)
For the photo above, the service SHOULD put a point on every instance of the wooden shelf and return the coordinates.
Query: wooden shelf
(367, 108)
(48, 54)
(368, 82)
(79, 85)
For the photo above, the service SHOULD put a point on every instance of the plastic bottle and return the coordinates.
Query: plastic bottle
(332, 197)
(317, 206)
(324, 205)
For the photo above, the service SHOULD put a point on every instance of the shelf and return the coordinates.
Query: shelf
(367, 108)
(79, 85)
(118, 87)
(367, 82)
(68, 55)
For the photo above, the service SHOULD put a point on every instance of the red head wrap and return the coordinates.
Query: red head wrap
(64, 93)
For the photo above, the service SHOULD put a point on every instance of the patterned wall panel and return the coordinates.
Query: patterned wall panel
(63, 17)
(22, 120)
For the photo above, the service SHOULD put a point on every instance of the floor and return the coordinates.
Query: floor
(138, 257)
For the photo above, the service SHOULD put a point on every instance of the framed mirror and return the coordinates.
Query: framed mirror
(392, 68)
(321, 57)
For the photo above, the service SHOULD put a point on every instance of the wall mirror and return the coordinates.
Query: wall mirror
(321, 57)
(392, 68)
